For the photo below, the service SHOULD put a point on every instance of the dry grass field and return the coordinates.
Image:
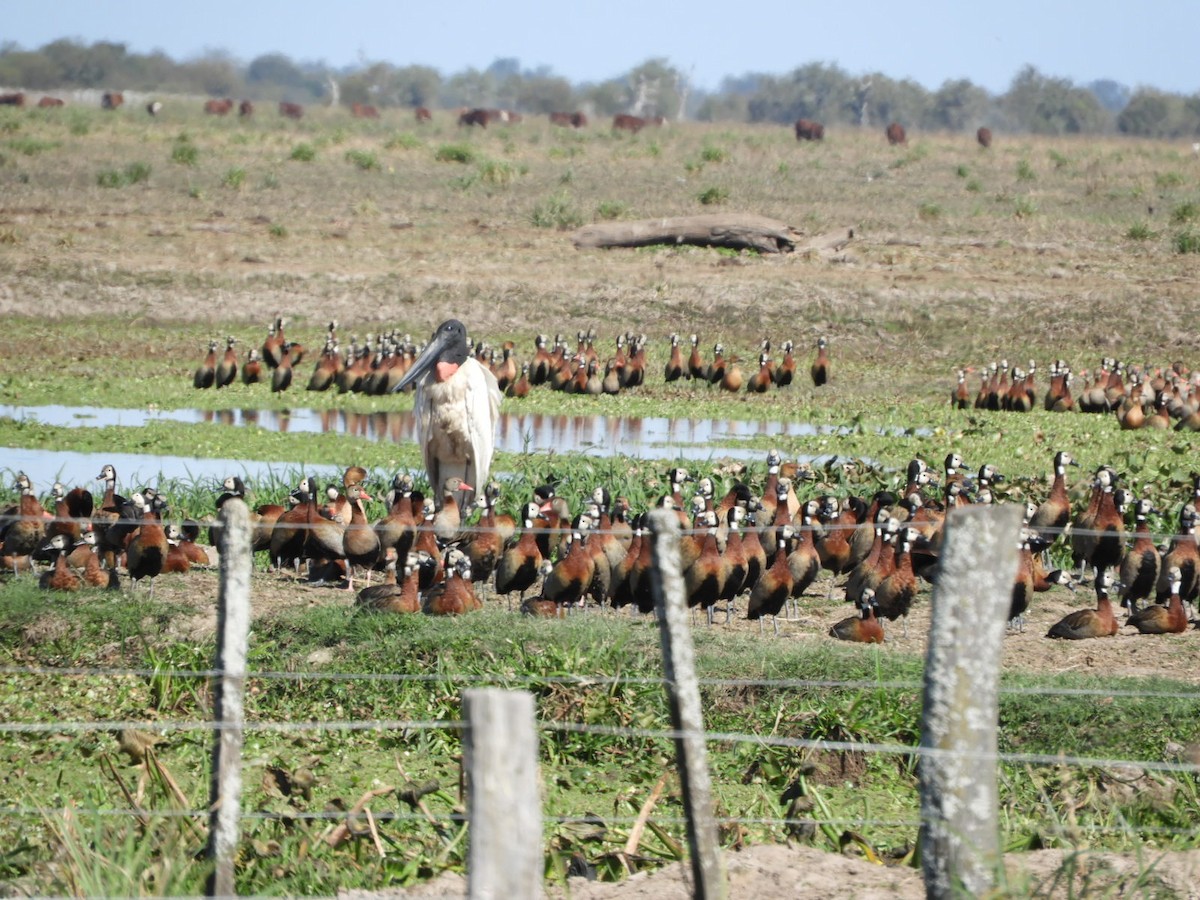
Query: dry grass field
(1035, 248)
(127, 241)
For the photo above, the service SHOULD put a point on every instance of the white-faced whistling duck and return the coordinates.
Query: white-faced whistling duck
(456, 406)
(1141, 563)
(960, 397)
(621, 585)
(360, 542)
(396, 595)
(1097, 539)
(733, 378)
(60, 577)
(820, 367)
(774, 586)
(572, 575)
(520, 561)
(448, 522)
(877, 561)
(1181, 554)
(756, 554)
(540, 365)
(704, 579)
(176, 561)
(896, 592)
(272, 348)
(94, 574)
(206, 372)
(1054, 512)
(761, 379)
(1022, 589)
(1090, 623)
(696, 369)
(329, 365)
(227, 368)
(252, 368)
(737, 563)
(281, 377)
(483, 544)
(26, 533)
(864, 628)
(673, 371)
(804, 563)
(1169, 619)
(146, 553)
(840, 518)
(785, 372)
(521, 387)
(453, 596)
(397, 530)
(716, 369)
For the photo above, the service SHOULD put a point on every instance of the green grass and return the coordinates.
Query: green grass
(587, 670)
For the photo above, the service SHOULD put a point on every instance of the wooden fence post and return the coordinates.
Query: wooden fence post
(960, 841)
(233, 627)
(504, 806)
(683, 690)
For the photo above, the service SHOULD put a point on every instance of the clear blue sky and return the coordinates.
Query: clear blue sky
(1146, 43)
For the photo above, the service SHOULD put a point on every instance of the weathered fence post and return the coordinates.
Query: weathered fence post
(233, 626)
(503, 796)
(960, 840)
(683, 690)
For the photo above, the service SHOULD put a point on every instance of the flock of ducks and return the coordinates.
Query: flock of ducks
(751, 552)
(1140, 396)
(377, 364)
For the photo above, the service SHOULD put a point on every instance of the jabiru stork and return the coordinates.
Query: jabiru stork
(457, 406)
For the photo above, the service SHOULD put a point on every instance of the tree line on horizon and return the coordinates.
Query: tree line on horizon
(1034, 103)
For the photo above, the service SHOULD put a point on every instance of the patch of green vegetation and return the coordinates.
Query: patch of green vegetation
(234, 178)
(1187, 241)
(1060, 161)
(1024, 207)
(303, 152)
(403, 140)
(929, 212)
(611, 209)
(363, 159)
(973, 185)
(132, 174)
(184, 152)
(713, 154)
(712, 196)
(1185, 212)
(1168, 180)
(277, 230)
(1140, 231)
(962, 171)
(499, 173)
(30, 146)
(557, 211)
(1025, 171)
(459, 153)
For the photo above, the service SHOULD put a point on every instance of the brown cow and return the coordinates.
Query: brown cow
(578, 120)
(479, 117)
(291, 110)
(895, 134)
(560, 118)
(984, 136)
(363, 111)
(422, 114)
(154, 107)
(112, 99)
(17, 99)
(623, 122)
(245, 109)
(809, 130)
(47, 102)
(218, 107)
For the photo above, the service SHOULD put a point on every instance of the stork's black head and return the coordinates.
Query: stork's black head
(449, 346)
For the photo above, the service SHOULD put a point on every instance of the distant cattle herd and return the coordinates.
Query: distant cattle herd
(805, 129)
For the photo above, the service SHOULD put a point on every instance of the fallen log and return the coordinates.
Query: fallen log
(737, 231)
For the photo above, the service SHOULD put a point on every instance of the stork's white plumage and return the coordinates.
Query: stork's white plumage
(457, 407)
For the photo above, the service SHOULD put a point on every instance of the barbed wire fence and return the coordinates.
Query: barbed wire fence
(960, 688)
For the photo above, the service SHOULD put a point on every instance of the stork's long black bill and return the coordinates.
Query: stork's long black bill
(448, 344)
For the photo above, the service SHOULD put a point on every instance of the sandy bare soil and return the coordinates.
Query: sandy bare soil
(770, 871)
